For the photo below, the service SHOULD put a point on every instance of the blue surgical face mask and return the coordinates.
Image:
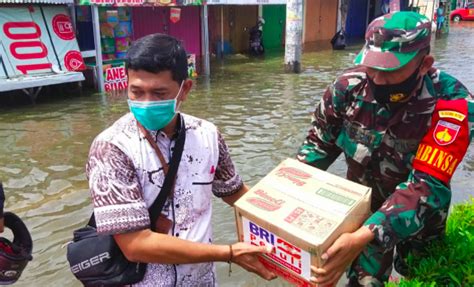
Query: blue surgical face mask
(154, 115)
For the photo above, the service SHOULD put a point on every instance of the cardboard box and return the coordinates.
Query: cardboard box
(301, 211)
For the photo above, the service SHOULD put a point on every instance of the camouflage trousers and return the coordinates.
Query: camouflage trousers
(373, 267)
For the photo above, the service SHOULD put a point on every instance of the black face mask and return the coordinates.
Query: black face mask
(395, 93)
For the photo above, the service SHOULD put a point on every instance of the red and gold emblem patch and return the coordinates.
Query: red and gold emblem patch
(445, 132)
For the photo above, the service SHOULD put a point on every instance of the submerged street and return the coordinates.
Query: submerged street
(263, 114)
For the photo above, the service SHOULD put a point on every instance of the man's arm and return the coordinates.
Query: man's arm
(151, 247)
(319, 149)
(426, 193)
(120, 209)
(227, 183)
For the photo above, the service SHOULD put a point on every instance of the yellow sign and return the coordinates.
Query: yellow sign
(452, 115)
(395, 98)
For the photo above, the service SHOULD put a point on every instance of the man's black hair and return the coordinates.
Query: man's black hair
(157, 53)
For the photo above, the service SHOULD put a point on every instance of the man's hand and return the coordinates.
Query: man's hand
(340, 255)
(245, 255)
(1, 225)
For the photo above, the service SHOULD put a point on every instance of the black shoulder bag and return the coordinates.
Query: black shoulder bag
(96, 260)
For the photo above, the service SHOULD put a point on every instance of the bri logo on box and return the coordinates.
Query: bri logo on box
(283, 253)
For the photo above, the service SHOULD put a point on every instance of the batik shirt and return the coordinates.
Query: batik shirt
(125, 176)
(406, 152)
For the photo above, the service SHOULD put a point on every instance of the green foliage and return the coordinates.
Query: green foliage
(449, 261)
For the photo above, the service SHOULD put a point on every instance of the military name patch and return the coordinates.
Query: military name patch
(445, 132)
(452, 115)
(437, 159)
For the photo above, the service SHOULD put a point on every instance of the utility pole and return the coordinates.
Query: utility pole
(99, 69)
(294, 35)
(205, 39)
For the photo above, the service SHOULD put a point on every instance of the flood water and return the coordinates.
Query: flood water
(262, 112)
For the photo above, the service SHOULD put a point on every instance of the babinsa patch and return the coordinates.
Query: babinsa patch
(445, 144)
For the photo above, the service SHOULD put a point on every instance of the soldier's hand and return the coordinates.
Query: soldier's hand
(340, 255)
(245, 255)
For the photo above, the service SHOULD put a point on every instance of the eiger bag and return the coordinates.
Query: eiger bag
(96, 260)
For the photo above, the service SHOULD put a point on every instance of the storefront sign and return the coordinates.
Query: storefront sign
(98, 2)
(37, 40)
(246, 2)
(115, 78)
(171, 2)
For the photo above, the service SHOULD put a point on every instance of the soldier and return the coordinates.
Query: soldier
(404, 126)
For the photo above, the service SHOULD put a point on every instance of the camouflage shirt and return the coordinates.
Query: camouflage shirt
(380, 144)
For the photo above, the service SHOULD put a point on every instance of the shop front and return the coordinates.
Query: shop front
(362, 12)
(119, 24)
(230, 22)
(274, 28)
(320, 22)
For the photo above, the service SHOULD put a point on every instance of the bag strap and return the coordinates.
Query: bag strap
(153, 144)
(169, 170)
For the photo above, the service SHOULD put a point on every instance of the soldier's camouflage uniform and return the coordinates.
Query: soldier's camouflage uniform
(380, 143)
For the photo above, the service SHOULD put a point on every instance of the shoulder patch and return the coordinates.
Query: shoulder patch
(445, 132)
(452, 115)
(444, 146)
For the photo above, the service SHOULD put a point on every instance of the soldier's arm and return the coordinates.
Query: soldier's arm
(427, 191)
(319, 148)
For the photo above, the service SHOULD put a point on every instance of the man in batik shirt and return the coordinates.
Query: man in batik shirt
(403, 126)
(125, 175)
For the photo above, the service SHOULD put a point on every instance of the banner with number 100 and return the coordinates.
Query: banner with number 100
(37, 40)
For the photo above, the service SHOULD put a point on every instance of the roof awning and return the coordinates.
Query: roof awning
(39, 81)
(36, 1)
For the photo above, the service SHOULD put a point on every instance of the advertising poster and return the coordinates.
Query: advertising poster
(37, 40)
(26, 48)
(115, 77)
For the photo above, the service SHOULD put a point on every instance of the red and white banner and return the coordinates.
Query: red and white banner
(37, 40)
(115, 78)
(25, 46)
(175, 15)
(64, 38)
